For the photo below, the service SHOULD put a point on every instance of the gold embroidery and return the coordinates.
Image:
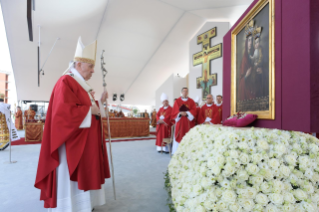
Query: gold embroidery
(84, 60)
(209, 113)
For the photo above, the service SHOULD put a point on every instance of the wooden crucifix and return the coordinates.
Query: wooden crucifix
(207, 80)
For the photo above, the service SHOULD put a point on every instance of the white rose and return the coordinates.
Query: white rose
(222, 205)
(271, 208)
(233, 154)
(229, 170)
(267, 173)
(308, 173)
(243, 145)
(249, 193)
(281, 149)
(218, 192)
(308, 188)
(315, 198)
(285, 170)
(200, 209)
(216, 170)
(220, 159)
(257, 157)
(242, 175)
(308, 207)
(265, 188)
(278, 185)
(256, 180)
(304, 161)
(234, 207)
(248, 204)
(258, 207)
(288, 208)
(291, 160)
(300, 194)
(314, 148)
(229, 196)
(244, 158)
(289, 197)
(225, 184)
(262, 144)
(277, 199)
(274, 163)
(252, 168)
(262, 199)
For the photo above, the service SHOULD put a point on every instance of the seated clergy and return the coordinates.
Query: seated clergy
(208, 112)
(163, 128)
(29, 114)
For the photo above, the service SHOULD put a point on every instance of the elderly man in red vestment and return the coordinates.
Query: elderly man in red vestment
(163, 128)
(207, 114)
(73, 163)
(184, 113)
(219, 109)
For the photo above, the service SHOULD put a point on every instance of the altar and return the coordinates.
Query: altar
(34, 131)
(127, 127)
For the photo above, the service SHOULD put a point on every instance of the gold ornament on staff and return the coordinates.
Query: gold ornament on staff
(104, 72)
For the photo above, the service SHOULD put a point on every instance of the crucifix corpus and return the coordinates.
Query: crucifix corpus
(208, 53)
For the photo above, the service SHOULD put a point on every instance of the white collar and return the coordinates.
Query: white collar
(219, 104)
(184, 99)
(209, 105)
(165, 107)
(75, 72)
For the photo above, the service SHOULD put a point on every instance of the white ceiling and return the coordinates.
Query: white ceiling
(145, 41)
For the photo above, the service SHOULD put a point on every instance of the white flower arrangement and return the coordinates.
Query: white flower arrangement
(231, 169)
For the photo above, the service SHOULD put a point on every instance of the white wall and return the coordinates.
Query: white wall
(172, 87)
(216, 66)
(168, 88)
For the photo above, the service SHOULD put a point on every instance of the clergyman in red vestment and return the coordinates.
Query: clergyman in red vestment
(219, 109)
(18, 119)
(208, 112)
(163, 128)
(73, 163)
(184, 120)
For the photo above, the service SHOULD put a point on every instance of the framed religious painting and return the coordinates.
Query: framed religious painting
(252, 58)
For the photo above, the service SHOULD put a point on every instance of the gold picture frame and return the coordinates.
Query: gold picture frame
(263, 105)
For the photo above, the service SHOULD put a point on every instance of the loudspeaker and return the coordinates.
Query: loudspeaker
(114, 97)
(34, 107)
(122, 97)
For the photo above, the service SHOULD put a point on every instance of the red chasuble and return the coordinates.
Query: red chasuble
(183, 125)
(208, 112)
(87, 162)
(163, 130)
(219, 112)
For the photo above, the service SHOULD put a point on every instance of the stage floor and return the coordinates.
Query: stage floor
(138, 175)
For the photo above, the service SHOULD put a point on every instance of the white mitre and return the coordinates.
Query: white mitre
(164, 97)
(84, 54)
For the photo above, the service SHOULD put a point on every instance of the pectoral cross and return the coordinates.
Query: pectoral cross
(208, 53)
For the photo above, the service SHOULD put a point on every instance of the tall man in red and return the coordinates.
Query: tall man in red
(163, 128)
(184, 119)
(73, 162)
(208, 112)
(219, 109)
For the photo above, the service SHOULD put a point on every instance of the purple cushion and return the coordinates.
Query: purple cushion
(245, 120)
(231, 121)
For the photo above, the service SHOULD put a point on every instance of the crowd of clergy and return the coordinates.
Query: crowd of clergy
(174, 122)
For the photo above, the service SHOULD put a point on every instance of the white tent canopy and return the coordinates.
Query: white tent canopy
(145, 41)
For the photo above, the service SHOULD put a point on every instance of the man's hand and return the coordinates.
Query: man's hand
(95, 110)
(104, 96)
(92, 94)
(183, 114)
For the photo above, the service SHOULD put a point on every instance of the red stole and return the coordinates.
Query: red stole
(87, 162)
(183, 125)
(163, 130)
